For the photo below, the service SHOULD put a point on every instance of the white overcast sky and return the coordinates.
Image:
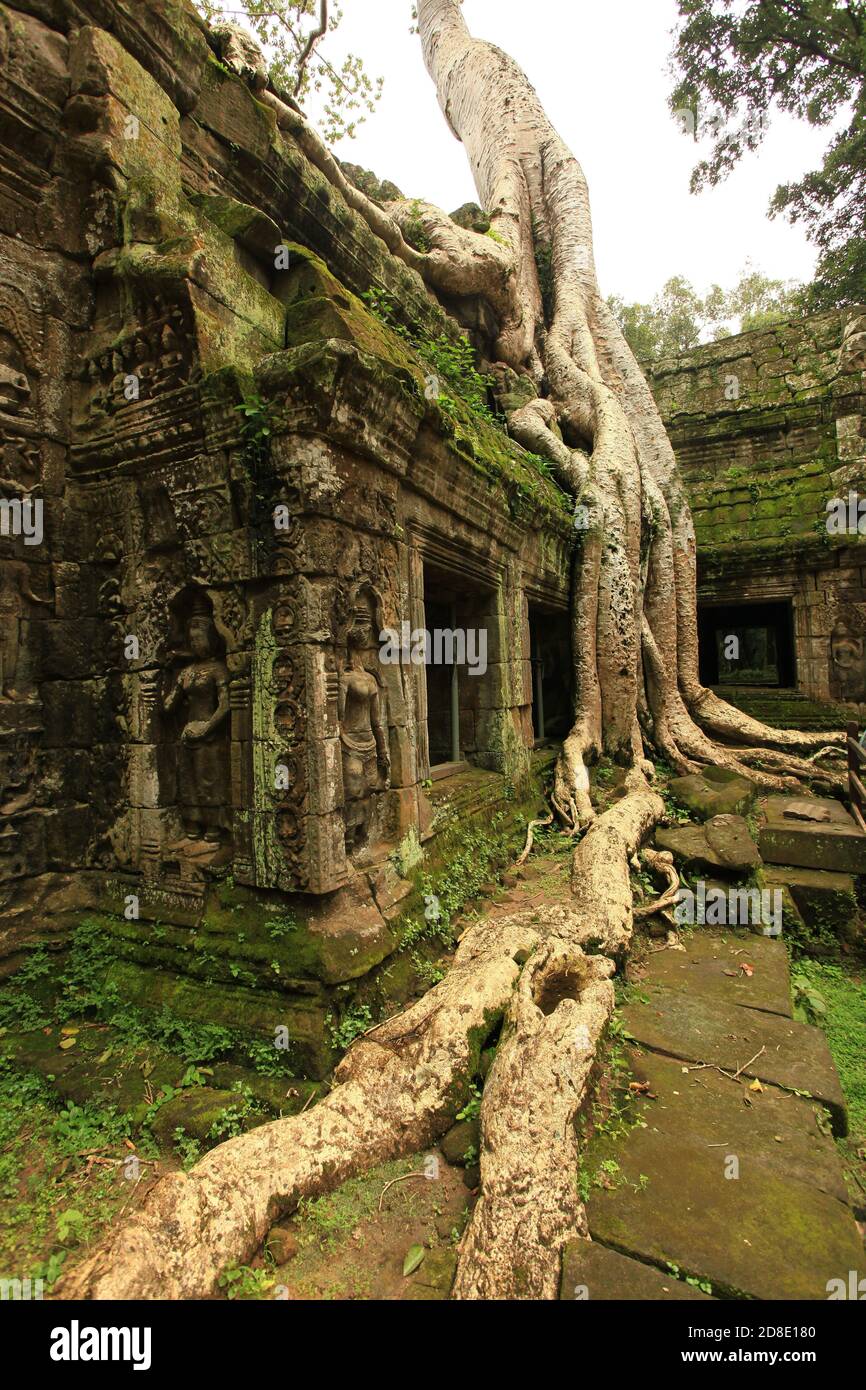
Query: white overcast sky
(600, 69)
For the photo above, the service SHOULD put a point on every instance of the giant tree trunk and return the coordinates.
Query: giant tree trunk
(589, 410)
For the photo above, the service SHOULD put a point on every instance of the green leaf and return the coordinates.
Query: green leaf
(414, 1257)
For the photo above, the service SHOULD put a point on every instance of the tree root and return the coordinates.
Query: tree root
(661, 861)
(394, 1094)
(399, 1090)
(529, 1205)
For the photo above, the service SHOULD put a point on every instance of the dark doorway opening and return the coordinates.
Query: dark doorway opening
(552, 674)
(463, 686)
(747, 644)
(442, 733)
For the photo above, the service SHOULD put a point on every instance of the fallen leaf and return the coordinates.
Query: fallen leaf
(747, 969)
(640, 1088)
(414, 1257)
(68, 1042)
(756, 1085)
(69, 1031)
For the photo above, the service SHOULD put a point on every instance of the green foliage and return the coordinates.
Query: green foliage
(735, 63)
(809, 1004)
(843, 995)
(451, 359)
(255, 428)
(351, 1025)
(340, 94)
(50, 1199)
(278, 927)
(472, 1108)
(187, 1148)
(244, 1282)
(269, 1060)
(679, 318)
(89, 1126)
(232, 1121)
(19, 1004)
(413, 230)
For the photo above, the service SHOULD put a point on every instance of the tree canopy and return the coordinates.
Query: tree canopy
(293, 33)
(734, 62)
(678, 318)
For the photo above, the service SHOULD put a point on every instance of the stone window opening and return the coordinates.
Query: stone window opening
(747, 644)
(462, 678)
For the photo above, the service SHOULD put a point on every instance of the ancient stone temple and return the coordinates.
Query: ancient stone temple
(229, 467)
(769, 428)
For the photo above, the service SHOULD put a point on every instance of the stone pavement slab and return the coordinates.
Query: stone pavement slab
(721, 843)
(785, 1134)
(760, 1235)
(711, 966)
(697, 1029)
(707, 794)
(592, 1271)
(812, 832)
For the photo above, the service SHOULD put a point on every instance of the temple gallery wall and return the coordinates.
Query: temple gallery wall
(215, 403)
(769, 429)
(225, 474)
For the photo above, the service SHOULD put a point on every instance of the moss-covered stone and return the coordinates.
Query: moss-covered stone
(249, 1011)
(706, 796)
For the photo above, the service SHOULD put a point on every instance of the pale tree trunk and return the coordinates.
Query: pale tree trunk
(544, 975)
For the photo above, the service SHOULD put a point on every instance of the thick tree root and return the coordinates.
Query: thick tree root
(661, 861)
(398, 1089)
(395, 1093)
(529, 1205)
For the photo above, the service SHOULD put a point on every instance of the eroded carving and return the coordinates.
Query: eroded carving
(200, 694)
(16, 596)
(363, 732)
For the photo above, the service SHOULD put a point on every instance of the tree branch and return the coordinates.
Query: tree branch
(312, 39)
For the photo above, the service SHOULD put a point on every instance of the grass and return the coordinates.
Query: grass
(326, 1222)
(64, 1173)
(844, 1022)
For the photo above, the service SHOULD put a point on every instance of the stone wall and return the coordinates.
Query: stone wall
(768, 427)
(244, 477)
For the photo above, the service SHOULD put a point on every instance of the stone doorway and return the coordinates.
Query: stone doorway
(552, 675)
(747, 644)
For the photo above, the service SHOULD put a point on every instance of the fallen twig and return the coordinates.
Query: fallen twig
(748, 1064)
(404, 1177)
